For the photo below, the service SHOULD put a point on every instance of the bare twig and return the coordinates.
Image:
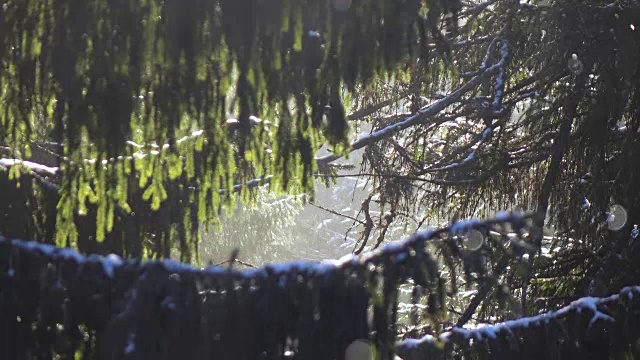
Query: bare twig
(336, 213)
(236, 261)
(368, 226)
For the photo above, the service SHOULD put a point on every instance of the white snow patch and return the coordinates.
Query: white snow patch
(461, 227)
(35, 167)
(503, 215)
(131, 344)
(484, 331)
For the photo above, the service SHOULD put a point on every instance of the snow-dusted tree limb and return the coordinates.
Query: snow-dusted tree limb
(251, 184)
(160, 285)
(39, 172)
(493, 110)
(489, 112)
(370, 110)
(422, 116)
(448, 182)
(144, 151)
(400, 251)
(602, 313)
(34, 167)
(501, 78)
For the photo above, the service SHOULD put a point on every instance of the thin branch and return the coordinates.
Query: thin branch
(483, 292)
(336, 213)
(370, 110)
(236, 261)
(368, 226)
(417, 178)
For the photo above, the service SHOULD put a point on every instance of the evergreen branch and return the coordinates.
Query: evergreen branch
(595, 309)
(421, 117)
(417, 178)
(401, 252)
(32, 166)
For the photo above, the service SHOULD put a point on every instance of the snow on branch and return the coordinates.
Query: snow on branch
(35, 167)
(599, 311)
(490, 111)
(422, 115)
(399, 251)
(250, 184)
(129, 303)
(500, 81)
(50, 170)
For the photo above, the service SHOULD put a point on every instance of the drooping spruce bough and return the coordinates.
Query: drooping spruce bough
(132, 100)
(57, 302)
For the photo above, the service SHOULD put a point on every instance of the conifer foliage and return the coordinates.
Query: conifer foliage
(144, 109)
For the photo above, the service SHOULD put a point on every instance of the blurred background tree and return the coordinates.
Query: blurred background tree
(262, 232)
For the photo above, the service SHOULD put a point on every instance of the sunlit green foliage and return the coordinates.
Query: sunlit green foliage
(137, 95)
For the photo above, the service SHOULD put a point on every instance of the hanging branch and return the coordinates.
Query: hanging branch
(336, 213)
(368, 226)
(422, 116)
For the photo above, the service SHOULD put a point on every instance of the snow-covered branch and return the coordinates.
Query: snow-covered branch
(35, 167)
(123, 302)
(515, 331)
(399, 251)
(422, 116)
(152, 149)
(490, 112)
